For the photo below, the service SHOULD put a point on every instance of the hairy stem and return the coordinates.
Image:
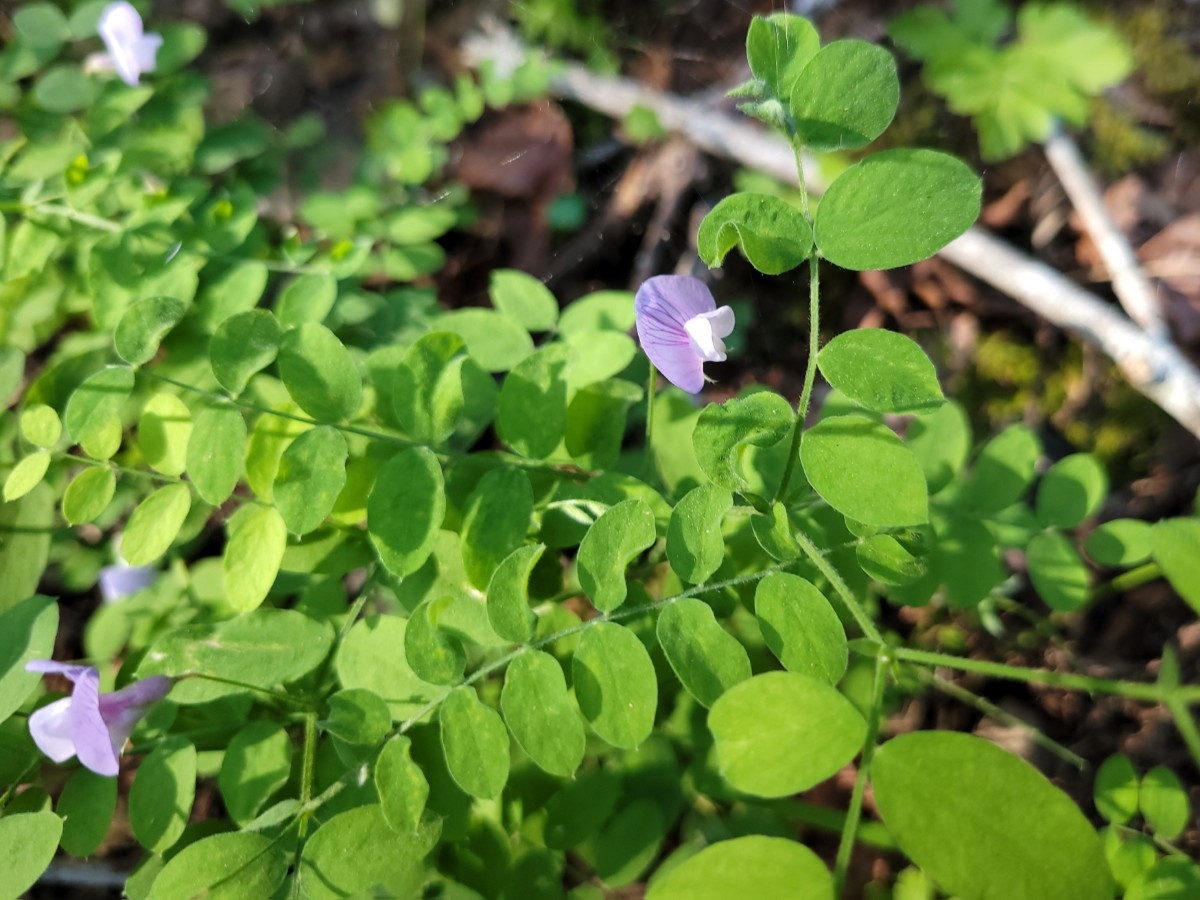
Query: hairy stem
(854, 813)
(810, 370)
(813, 552)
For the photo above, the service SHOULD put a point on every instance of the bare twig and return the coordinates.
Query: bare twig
(1129, 282)
(1152, 364)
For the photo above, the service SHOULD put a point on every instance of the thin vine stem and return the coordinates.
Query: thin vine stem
(810, 370)
(854, 813)
(813, 552)
(1134, 690)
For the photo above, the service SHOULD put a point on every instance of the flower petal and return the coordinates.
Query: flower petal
(663, 308)
(120, 27)
(122, 580)
(50, 667)
(122, 709)
(50, 728)
(93, 744)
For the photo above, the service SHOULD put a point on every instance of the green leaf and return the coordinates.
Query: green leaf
(596, 420)
(695, 545)
(243, 344)
(428, 387)
(881, 370)
(41, 25)
(476, 744)
(615, 684)
(540, 714)
(581, 807)
(778, 48)
(96, 404)
(1172, 878)
(508, 594)
(229, 866)
(27, 845)
(861, 469)
(1121, 542)
(143, 326)
(845, 97)
(63, 89)
(751, 866)
(984, 823)
(154, 524)
(370, 658)
(1057, 572)
(234, 289)
(257, 763)
(772, 234)
(87, 804)
(760, 725)
(164, 431)
(12, 368)
(1071, 491)
(886, 560)
(356, 854)
(216, 452)
(1176, 549)
(27, 524)
(604, 311)
(401, 785)
(495, 520)
(357, 717)
(405, 509)
(775, 534)
(436, 655)
(707, 659)
(160, 800)
(40, 425)
(1090, 55)
(264, 648)
(319, 373)
(312, 473)
(532, 417)
(257, 539)
(800, 627)
(1116, 789)
(610, 545)
(941, 442)
(1163, 801)
(1003, 470)
(967, 560)
(723, 432)
(307, 298)
(496, 341)
(630, 842)
(895, 208)
(26, 475)
(30, 249)
(27, 632)
(523, 298)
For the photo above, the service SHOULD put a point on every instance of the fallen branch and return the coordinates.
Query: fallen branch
(1152, 364)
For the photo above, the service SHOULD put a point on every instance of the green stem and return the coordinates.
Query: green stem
(991, 710)
(854, 813)
(1151, 693)
(869, 834)
(74, 215)
(1186, 724)
(813, 552)
(810, 370)
(123, 470)
(287, 699)
(308, 770)
(800, 180)
(1136, 577)
(17, 782)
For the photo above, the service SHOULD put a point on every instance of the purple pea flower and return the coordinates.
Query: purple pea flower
(123, 580)
(88, 724)
(130, 51)
(681, 328)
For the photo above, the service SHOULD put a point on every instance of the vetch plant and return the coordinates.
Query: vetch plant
(425, 634)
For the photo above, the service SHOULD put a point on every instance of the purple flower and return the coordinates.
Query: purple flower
(680, 328)
(130, 52)
(124, 580)
(88, 724)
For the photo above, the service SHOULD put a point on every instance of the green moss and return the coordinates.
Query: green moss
(1119, 143)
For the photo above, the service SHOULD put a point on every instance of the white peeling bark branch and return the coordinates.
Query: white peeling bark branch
(1129, 282)
(1152, 364)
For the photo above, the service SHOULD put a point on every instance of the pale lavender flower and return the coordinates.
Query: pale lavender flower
(122, 580)
(88, 724)
(680, 328)
(130, 51)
